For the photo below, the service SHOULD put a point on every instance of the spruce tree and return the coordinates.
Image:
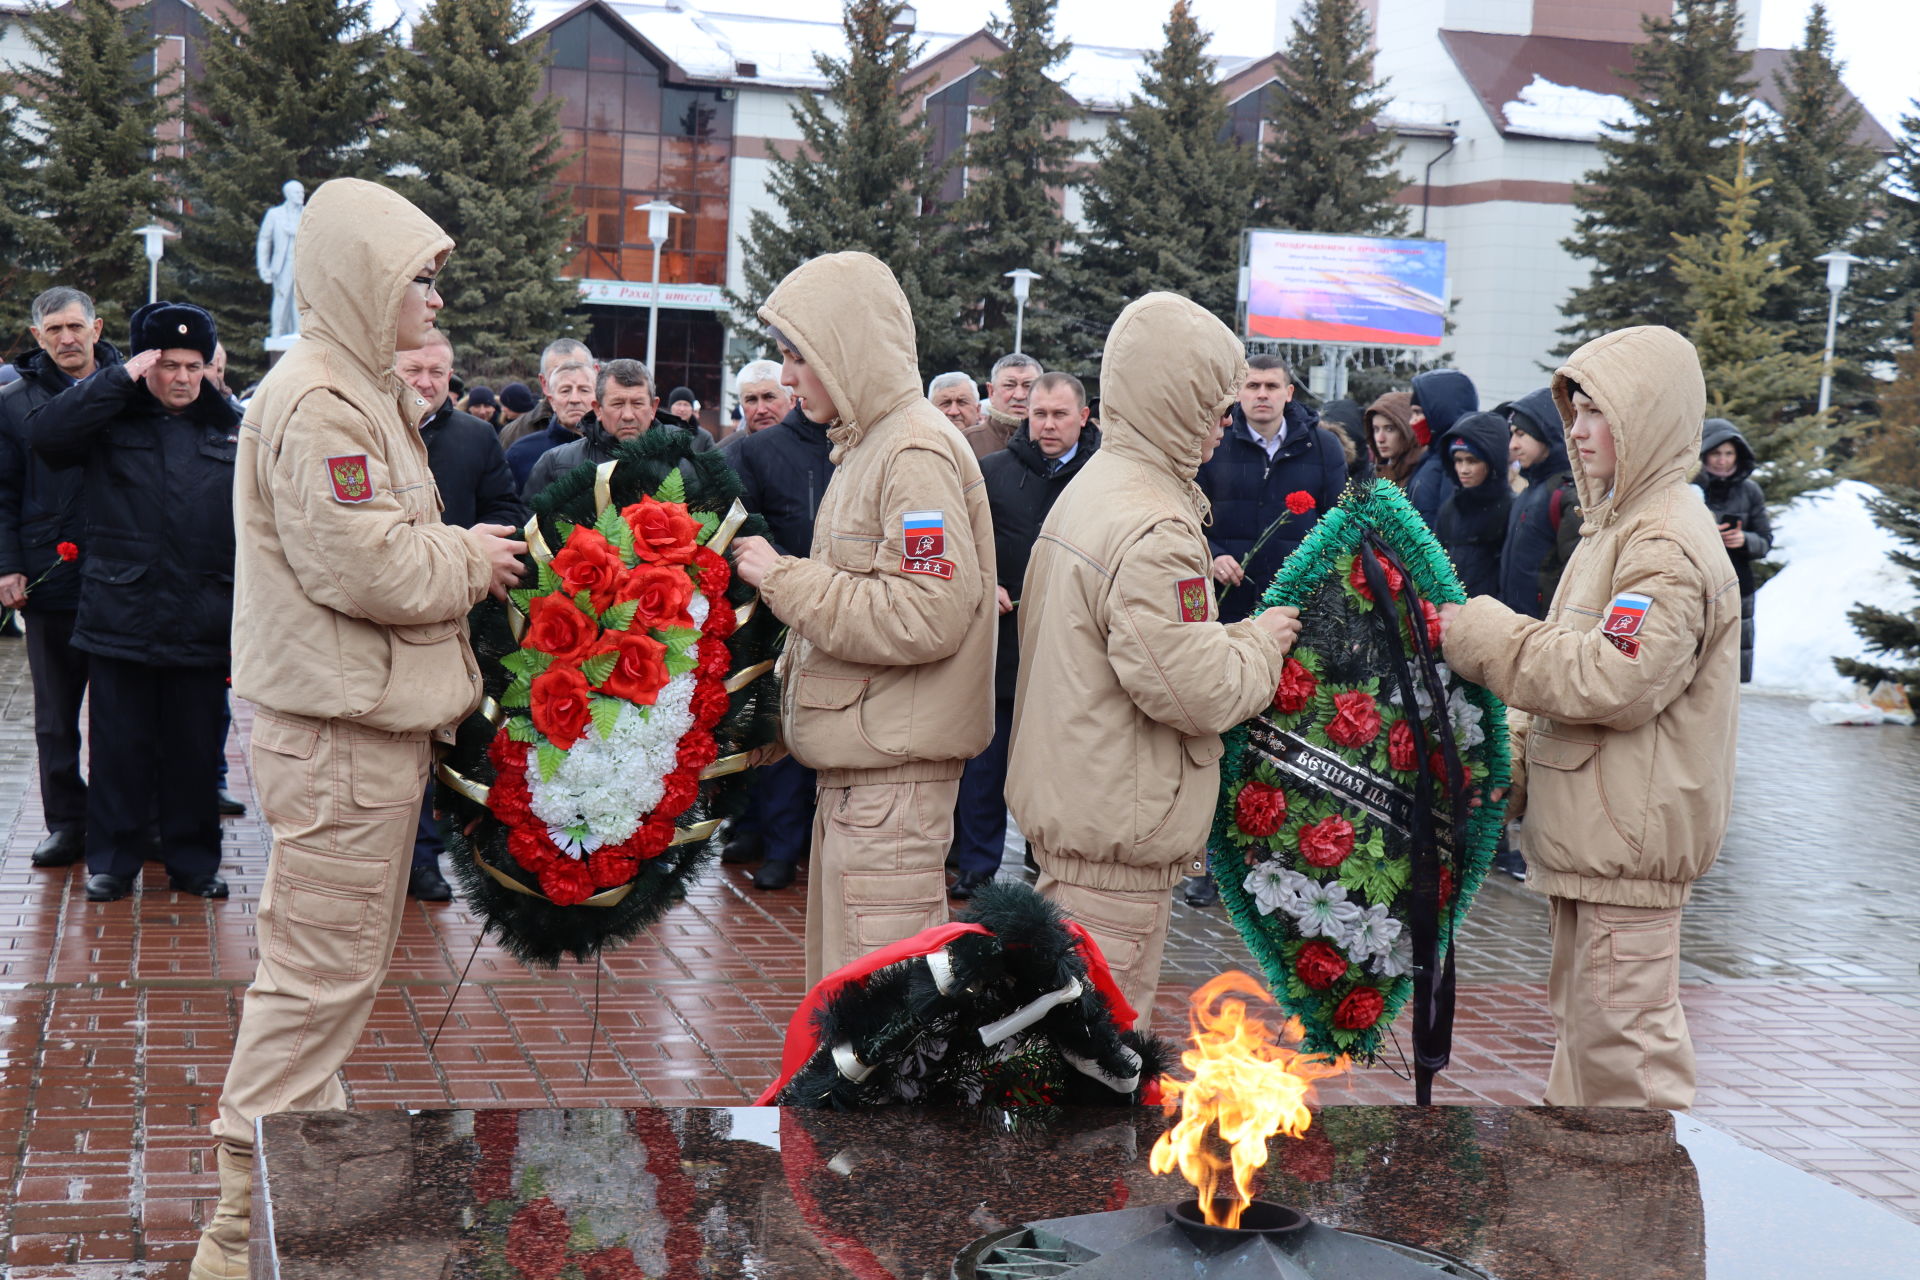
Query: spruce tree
(29, 246)
(1753, 380)
(476, 146)
(1691, 94)
(862, 179)
(289, 89)
(1893, 635)
(1170, 193)
(97, 104)
(1825, 194)
(1009, 218)
(1330, 162)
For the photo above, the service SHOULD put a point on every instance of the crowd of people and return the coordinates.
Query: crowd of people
(976, 591)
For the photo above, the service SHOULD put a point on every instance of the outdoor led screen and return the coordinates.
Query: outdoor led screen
(1303, 287)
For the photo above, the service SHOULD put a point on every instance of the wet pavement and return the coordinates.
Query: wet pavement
(1801, 954)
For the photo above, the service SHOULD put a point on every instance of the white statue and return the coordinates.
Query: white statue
(273, 255)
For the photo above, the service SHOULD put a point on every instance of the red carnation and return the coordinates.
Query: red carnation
(662, 531)
(1358, 575)
(660, 593)
(715, 573)
(1300, 502)
(1402, 752)
(1432, 616)
(508, 797)
(609, 868)
(1360, 1010)
(698, 750)
(1297, 686)
(1446, 883)
(67, 551)
(1319, 965)
(654, 836)
(715, 659)
(721, 619)
(1356, 719)
(555, 625)
(1260, 809)
(709, 704)
(565, 881)
(609, 1264)
(682, 789)
(562, 706)
(537, 1240)
(641, 671)
(591, 564)
(1327, 843)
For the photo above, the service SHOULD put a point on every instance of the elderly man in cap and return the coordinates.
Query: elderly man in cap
(157, 440)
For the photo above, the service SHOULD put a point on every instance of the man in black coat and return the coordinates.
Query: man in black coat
(1023, 481)
(1536, 439)
(1273, 448)
(783, 471)
(40, 508)
(1441, 397)
(623, 407)
(157, 442)
(470, 470)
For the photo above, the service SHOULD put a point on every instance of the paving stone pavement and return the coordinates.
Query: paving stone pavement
(116, 1020)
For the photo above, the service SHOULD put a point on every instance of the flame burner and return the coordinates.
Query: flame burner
(1272, 1242)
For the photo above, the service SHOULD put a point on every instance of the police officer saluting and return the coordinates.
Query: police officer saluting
(157, 440)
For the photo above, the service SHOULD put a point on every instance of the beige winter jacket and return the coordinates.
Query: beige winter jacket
(1628, 745)
(350, 597)
(888, 676)
(1127, 677)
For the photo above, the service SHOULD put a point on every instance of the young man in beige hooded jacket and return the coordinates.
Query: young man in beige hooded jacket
(887, 678)
(1127, 676)
(1623, 704)
(350, 601)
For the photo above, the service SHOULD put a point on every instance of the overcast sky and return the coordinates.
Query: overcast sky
(1876, 39)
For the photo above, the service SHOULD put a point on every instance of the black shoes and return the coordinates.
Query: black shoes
(745, 846)
(969, 883)
(229, 807)
(106, 888)
(774, 874)
(1199, 891)
(61, 849)
(428, 885)
(206, 885)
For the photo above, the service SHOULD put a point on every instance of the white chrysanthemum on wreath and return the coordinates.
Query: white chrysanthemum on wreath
(1397, 959)
(1467, 729)
(1322, 911)
(1374, 933)
(1274, 887)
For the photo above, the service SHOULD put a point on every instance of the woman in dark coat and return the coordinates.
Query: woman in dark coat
(1740, 508)
(1472, 525)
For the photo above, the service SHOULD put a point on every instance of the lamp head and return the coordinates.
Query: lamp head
(1839, 265)
(658, 211)
(1022, 282)
(156, 237)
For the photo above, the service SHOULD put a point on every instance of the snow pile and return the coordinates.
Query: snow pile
(1835, 557)
(1548, 110)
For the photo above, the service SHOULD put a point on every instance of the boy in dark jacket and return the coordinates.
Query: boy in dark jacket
(1536, 442)
(1740, 509)
(1441, 397)
(1473, 519)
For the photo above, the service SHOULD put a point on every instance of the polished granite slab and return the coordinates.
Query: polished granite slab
(1515, 1193)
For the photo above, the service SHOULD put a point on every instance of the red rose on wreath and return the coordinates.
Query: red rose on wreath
(1260, 809)
(1297, 686)
(537, 1240)
(640, 673)
(561, 706)
(1319, 965)
(555, 625)
(660, 593)
(1402, 751)
(1356, 719)
(662, 531)
(1358, 575)
(1432, 615)
(1326, 843)
(1360, 1010)
(1300, 502)
(591, 564)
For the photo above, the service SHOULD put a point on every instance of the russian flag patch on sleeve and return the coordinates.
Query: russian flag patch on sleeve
(1628, 612)
(924, 534)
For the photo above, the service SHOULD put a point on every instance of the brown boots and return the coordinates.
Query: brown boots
(222, 1254)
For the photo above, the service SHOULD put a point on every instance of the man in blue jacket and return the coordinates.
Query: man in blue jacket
(1441, 397)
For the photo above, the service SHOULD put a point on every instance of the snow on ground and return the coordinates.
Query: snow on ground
(1835, 558)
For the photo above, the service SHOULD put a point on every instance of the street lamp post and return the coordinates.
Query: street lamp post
(657, 211)
(1022, 285)
(1839, 263)
(156, 238)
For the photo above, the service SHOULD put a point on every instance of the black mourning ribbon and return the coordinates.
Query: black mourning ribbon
(1433, 979)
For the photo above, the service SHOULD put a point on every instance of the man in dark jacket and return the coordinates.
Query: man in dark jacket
(157, 442)
(1739, 507)
(527, 416)
(568, 406)
(470, 471)
(1022, 480)
(1441, 397)
(624, 408)
(40, 508)
(1274, 448)
(1536, 440)
(1473, 520)
(783, 473)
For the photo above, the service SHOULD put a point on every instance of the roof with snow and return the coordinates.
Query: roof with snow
(1555, 87)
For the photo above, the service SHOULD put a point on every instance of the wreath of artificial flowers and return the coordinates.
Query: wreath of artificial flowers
(624, 684)
(1347, 806)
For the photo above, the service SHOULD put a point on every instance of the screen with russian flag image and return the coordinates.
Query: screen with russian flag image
(1303, 287)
